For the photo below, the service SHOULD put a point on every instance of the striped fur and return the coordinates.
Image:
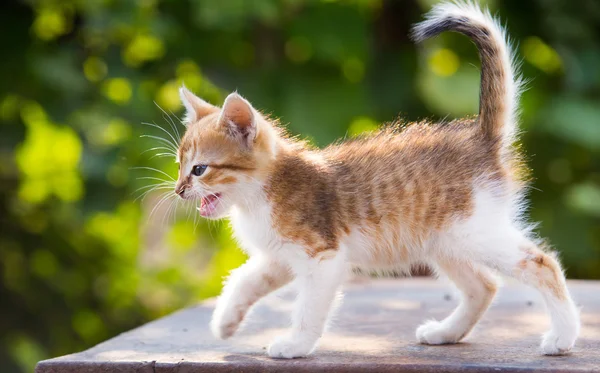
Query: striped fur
(500, 82)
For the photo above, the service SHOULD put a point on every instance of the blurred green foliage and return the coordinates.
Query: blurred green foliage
(82, 259)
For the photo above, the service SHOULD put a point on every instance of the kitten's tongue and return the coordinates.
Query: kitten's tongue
(208, 204)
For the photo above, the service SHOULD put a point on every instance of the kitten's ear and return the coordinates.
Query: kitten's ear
(195, 107)
(239, 117)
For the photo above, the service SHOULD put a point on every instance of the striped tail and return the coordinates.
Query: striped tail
(500, 82)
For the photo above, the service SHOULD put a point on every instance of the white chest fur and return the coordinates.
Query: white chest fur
(254, 229)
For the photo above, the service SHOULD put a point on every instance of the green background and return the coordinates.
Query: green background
(82, 259)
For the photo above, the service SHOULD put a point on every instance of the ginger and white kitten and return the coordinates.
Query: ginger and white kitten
(448, 195)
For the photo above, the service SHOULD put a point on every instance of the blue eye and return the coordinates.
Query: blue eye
(198, 170)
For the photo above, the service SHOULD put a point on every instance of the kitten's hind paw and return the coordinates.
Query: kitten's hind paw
(553, 344)
(434, 332)
(289, 347)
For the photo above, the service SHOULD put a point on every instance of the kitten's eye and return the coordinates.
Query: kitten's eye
(198, 170)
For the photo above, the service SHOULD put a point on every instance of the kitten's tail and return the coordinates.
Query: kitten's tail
(500, 82)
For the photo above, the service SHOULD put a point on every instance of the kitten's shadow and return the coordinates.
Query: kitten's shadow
(261, 359)
(332, 356)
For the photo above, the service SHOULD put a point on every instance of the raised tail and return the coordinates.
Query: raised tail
(500, 82)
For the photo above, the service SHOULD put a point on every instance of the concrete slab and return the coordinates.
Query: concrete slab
(374, 330)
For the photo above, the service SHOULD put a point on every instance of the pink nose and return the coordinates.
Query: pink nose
(180, 191)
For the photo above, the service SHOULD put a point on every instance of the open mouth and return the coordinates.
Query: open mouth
(209, 204)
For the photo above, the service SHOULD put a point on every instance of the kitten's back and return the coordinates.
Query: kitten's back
(420, 178)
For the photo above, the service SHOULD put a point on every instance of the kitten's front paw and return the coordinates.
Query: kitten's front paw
(289, 347)
(436, 333)
(223, 325)
(554, 344)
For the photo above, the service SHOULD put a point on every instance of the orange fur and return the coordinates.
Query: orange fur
(544, 269)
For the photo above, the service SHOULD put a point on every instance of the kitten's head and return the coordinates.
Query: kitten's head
(224, 155)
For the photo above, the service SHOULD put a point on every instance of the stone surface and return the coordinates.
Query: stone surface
(374, 330)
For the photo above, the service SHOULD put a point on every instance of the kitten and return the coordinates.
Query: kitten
(448, 195)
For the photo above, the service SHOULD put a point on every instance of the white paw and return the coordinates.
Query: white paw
(224, 324)
(554, 344)
(289, 347)
(434, 332)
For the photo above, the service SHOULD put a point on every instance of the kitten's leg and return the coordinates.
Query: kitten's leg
(478, 287)
(246, 285)
(318, 281)
(533, 266)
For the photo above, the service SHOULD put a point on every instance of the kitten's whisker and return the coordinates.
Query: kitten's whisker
(164, 130)
(179, 120)
(163, 155)
(176, 210)
(196, 219)
(160, 148)
(177, 129)
(168, 211)
(153, 169)
(162, 200)
(142, 196)
(172, 147)
(169, 121)
(160, 138)
(155, 178)
(162, 183)
(157, 185)
(176, 117)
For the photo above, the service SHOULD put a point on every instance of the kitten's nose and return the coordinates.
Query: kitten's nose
(180, 190)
